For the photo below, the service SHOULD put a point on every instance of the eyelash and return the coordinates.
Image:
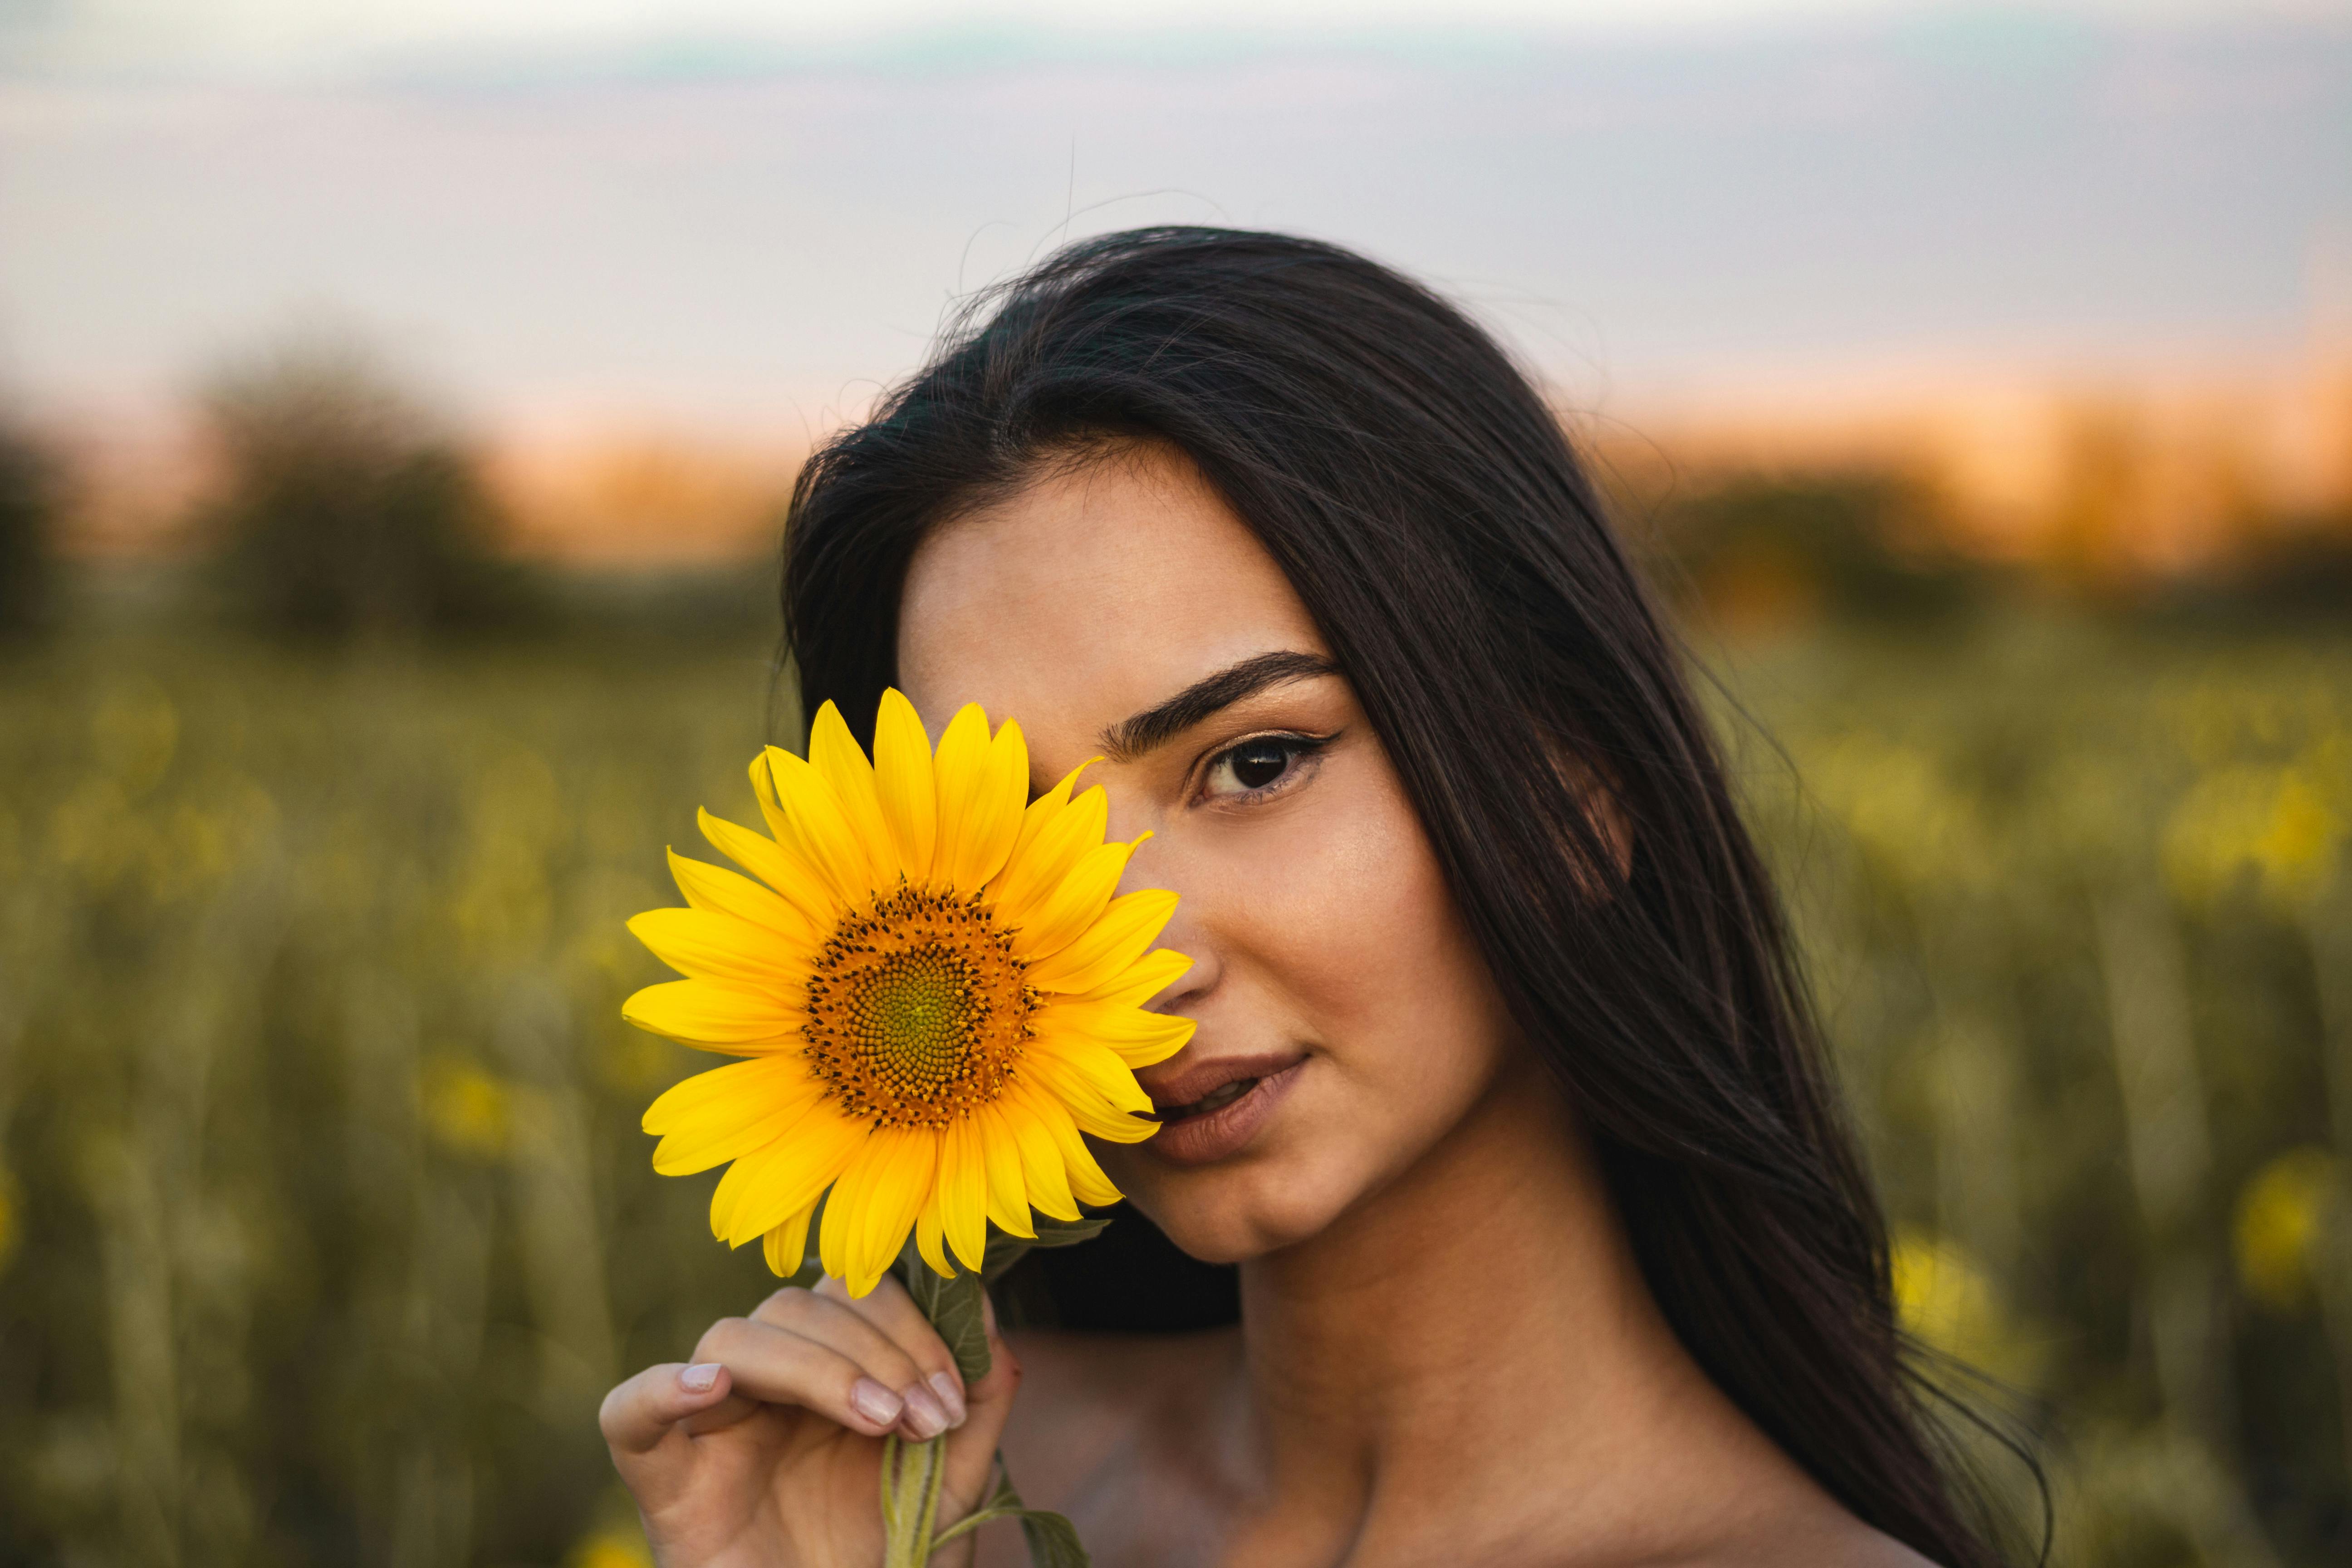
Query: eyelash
(1299, 747)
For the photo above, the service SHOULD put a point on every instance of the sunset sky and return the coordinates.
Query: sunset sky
(748, 216)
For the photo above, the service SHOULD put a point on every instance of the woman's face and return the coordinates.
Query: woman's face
(1346, 1023)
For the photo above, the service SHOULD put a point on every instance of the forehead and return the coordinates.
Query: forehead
(1088, 595)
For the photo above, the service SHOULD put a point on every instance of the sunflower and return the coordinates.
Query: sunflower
(934, 990)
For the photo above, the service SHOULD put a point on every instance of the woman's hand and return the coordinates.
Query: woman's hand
(765, 1451)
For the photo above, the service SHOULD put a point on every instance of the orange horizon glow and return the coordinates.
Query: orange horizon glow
(2156, 472)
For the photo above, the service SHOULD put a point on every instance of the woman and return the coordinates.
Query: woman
(1552, 1244)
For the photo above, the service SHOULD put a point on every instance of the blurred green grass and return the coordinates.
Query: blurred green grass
(325, 1219)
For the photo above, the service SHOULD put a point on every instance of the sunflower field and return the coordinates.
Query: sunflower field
(326, 1219)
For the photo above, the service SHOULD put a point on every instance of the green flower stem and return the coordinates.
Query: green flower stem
(913, 1474)
(967, 1523)
(935, 1477)
(889, 1512)
(912, 1477)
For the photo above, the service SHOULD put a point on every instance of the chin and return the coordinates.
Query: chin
(1231, 1214)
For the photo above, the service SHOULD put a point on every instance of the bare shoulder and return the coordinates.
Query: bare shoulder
(1757, 1508)
(1769, 1513)
(1825, 1536)
(1086, 1399)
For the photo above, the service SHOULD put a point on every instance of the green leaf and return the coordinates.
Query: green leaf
(812, 1272)
(954, 1307)
(1053, 1540)
(952, 1302)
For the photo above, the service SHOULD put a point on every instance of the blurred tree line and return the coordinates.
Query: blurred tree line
(30, 504)
(346, 510)
(1757, 550)
(344, 507)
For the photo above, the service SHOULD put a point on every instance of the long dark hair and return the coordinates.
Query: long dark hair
(1431, 513)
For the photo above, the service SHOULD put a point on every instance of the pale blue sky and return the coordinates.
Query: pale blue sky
(720, 216)
(282, 38)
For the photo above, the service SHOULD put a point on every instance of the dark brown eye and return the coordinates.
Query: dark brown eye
(1259, 763)
(1254, 765)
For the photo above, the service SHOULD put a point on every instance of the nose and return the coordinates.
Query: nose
(1160, 863)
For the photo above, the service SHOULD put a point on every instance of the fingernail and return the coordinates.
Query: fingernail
(874, 1402)
(951, 1396)
(926, 1417)
(700, 1378)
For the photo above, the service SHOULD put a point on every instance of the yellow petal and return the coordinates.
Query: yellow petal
(1096, 1087)
(1137, 1037)
(1008, 760)
(834, 754)
(730, 1111)
(1149, 976)
(720, 947)
(774, 864)
(1069, 909)
(685, 1154)
(903, 783)
(716, 1017)
(876, 1203)
(721, 1090)
(804, 812)
(928, 1231)
(787, 1247)
(724, 892)
(1087, 1183)
(1083, 1103)
(1045, 807)
(983, 786)
(764, 1189)
(1008, 1195)
(958, 766)
(963, 1192)
(1042, 1169)
(1108, 947)
(1054, 835)
(905, 1181)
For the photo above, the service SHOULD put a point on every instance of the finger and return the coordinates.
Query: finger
(831, 1319)
(727, 1413)
(893, 1312)
(816, 1371)
(971, 1449)
(638, 1414)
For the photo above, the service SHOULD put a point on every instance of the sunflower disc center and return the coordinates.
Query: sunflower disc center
(916, 1010)
(912, 1015)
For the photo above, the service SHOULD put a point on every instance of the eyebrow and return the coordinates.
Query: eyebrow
(1133, 736)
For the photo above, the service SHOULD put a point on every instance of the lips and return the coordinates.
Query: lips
(1202, 1087)
(1215, 1100)
(1212, 1108)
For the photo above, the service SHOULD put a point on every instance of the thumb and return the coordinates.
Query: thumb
(971, 1447)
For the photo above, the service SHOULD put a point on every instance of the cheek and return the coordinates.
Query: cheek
(1337, 934)
(1360, 936)
(1349, 920)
